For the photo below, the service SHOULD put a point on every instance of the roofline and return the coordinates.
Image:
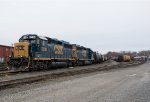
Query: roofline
(5, 46)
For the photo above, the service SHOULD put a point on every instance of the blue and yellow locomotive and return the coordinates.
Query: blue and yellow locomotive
(34, 52)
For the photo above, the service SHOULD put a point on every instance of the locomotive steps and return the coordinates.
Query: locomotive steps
(20, 80)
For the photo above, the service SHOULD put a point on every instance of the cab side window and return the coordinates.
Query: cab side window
(38, 41)
(43, 43)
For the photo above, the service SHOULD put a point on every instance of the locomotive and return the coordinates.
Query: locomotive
(33, 52)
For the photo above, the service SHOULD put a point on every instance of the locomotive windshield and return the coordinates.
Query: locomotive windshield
(32, 37)
(28, 38)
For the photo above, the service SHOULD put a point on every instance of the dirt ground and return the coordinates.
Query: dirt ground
(118, 85)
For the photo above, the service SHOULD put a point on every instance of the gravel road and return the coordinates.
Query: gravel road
(119, 85)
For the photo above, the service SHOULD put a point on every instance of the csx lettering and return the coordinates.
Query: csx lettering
(58, 49)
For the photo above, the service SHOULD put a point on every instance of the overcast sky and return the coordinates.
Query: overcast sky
(102, 25)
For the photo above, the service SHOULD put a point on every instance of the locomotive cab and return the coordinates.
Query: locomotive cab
(23, 53)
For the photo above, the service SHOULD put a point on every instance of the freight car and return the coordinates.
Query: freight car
(33, 52)
(5, 52)
(123, 58)
(98, 58)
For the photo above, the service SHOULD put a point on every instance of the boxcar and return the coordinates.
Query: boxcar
(5, 52)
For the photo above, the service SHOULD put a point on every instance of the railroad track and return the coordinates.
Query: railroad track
(11, 83)
(5, 73)
(3, 68)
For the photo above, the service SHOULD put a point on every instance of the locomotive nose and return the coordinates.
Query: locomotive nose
(20, 60)
(21, 50)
